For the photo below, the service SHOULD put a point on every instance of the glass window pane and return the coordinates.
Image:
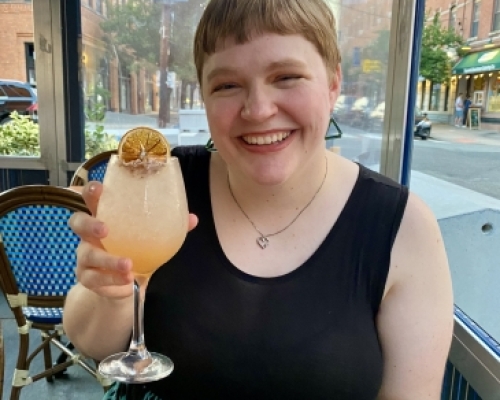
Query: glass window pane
(457, 172)
(122, 83)
(17, 80)
(364, 33)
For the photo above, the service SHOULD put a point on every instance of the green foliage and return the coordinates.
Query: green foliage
(435, 64)
(379, 48)
(133, 31)
(97, 141)
(95, 112)
(186, 18)
(19, 137)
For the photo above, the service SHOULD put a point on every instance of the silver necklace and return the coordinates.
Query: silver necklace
(263, 240)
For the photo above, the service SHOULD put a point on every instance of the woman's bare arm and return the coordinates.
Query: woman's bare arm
(98, 326)
(415, 321)
(98, 312)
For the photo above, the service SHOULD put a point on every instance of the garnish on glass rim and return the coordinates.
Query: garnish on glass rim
(143, 145)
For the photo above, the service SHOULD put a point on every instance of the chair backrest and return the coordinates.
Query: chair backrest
(93, 169)
(37, 247)
(2, 360)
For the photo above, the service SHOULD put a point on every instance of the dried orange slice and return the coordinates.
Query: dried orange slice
(142, 143)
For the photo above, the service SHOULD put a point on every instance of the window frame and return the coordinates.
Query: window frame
(452, 18)
(476, 10)
(495, 21)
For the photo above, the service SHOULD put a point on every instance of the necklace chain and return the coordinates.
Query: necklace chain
(263, 240)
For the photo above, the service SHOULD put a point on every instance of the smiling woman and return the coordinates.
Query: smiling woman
(308, 276)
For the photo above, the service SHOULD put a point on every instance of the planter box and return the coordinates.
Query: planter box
(193, 121)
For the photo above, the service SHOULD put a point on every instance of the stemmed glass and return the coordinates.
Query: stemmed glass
(145, 210)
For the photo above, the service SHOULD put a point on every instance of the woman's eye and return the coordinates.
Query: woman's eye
(285, 78)
(224, 86)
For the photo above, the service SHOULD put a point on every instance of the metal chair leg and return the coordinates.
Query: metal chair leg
(47, 358)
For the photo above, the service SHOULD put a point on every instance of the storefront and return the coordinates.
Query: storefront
(478, 75)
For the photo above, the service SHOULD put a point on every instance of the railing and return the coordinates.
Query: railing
(456, 387)
(473, 370)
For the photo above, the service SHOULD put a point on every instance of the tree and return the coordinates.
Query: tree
(133, 32)
(186, 18)
(437, 42)
(375, 80)
(133, 29)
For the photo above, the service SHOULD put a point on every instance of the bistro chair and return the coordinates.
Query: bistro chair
(37, 261)
(93, 169)
(2, 360)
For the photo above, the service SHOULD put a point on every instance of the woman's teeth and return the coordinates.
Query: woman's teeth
(267, 139)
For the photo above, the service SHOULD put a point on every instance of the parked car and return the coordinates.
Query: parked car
(15, 96)
(342, 108)
(377, 116)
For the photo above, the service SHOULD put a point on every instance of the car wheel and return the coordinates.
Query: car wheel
(5, 121)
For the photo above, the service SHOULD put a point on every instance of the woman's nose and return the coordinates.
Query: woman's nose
(259, 105)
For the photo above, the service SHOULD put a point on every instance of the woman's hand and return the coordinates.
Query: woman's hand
(97, 270)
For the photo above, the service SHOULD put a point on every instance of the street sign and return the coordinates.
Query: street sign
(371, 66)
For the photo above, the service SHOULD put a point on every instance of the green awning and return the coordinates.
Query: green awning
(476, 63)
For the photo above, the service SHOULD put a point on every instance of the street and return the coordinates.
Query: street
(470, 159)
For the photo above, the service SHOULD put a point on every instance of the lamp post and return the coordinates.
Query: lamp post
(164, 112)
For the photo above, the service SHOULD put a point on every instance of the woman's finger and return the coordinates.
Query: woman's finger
(91, 194)
(88, 228)
(112, 285)
(193, 222)
(89, 256)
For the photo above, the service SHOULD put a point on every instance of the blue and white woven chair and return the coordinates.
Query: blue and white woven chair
(2, 361)
(37, 261)
(93, 169)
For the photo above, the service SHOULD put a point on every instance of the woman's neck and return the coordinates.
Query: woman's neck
(290, 195)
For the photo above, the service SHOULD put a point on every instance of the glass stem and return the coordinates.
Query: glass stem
(137, 344)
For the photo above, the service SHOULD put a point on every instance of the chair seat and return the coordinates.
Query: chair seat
(43, 315)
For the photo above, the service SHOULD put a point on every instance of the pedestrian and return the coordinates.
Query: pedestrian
(459, 110)
(467, 104)
(308, 276)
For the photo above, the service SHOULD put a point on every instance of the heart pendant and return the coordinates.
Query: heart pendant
(263, 242)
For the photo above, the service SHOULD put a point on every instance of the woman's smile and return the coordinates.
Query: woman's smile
(266, 139)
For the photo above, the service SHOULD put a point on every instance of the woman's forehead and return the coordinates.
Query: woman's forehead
(273, 47)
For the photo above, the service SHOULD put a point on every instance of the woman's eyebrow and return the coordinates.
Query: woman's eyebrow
(220, 71)
(288, 62)
(285, 63)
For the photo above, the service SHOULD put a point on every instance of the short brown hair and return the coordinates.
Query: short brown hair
(239, 19)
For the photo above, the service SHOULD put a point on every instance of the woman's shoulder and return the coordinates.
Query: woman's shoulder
(192, 158)
(190, 152)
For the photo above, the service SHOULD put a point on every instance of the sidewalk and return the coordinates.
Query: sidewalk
(450, 133)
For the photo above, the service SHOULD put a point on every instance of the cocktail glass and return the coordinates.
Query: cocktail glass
(145, 210)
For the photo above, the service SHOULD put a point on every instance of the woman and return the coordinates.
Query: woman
(308, 276)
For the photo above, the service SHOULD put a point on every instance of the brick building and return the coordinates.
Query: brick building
(132, 92)
(478, 72)
(364, 27)
(16, 31)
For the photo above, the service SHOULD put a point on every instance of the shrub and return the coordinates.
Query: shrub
(20, 137)
(97, 141)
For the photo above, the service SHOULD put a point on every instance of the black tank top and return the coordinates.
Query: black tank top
(310, 334)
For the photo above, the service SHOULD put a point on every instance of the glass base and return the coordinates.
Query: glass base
(131, 368)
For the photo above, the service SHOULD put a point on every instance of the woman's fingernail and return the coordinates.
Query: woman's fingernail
(98, 229)
(92, 188)
(124, 265)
